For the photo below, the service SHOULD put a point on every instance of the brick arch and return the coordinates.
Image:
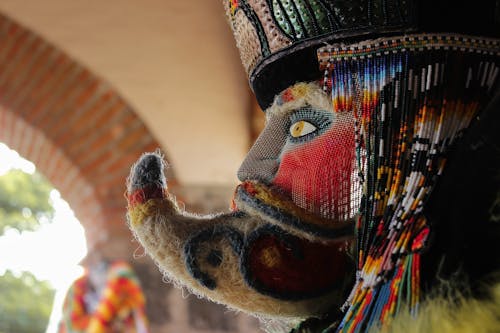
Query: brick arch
(81, 134)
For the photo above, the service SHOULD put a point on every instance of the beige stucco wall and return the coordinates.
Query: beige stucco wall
(173, 61)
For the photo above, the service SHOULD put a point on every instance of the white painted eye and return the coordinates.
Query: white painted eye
(301, 128)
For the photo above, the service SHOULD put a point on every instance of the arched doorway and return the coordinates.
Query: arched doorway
(74, 126)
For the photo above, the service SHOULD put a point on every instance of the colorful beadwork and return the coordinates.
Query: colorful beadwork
(301, 19)
(408, 101)
(235, 6)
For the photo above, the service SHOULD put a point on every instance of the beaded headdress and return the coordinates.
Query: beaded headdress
(277, 39)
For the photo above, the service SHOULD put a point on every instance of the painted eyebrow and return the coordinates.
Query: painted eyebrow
(310, 113)
(291, 107)
(315, 100)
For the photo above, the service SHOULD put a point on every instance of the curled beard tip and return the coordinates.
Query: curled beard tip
(148, 171)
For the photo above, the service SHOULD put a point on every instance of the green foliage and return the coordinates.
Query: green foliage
(25, 303)
(24, 200)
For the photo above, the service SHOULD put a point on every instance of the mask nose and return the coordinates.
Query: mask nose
(262, 161)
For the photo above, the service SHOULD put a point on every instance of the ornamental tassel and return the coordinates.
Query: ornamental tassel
(407, 96)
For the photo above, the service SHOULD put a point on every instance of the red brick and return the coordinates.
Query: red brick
(12, 56)
(37, 103)
(77, 97)
(20, 67)
(8, 40)
(87, 120)
(43, 81)
(9, 126)
(26, 134)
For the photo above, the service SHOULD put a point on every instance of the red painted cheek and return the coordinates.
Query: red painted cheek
(317, 175)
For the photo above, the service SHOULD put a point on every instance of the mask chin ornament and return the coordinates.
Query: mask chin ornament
(362, 109)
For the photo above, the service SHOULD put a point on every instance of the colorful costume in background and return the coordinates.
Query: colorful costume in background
(120, 307)
(348, 211)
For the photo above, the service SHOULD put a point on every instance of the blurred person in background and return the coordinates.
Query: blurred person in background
(107, 298)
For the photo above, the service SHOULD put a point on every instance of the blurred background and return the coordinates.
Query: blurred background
(85, 88)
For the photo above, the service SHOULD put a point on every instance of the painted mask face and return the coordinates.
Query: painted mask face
(306, 152)
(286, 244)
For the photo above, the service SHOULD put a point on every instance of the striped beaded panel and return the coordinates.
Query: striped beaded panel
(412, 97)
